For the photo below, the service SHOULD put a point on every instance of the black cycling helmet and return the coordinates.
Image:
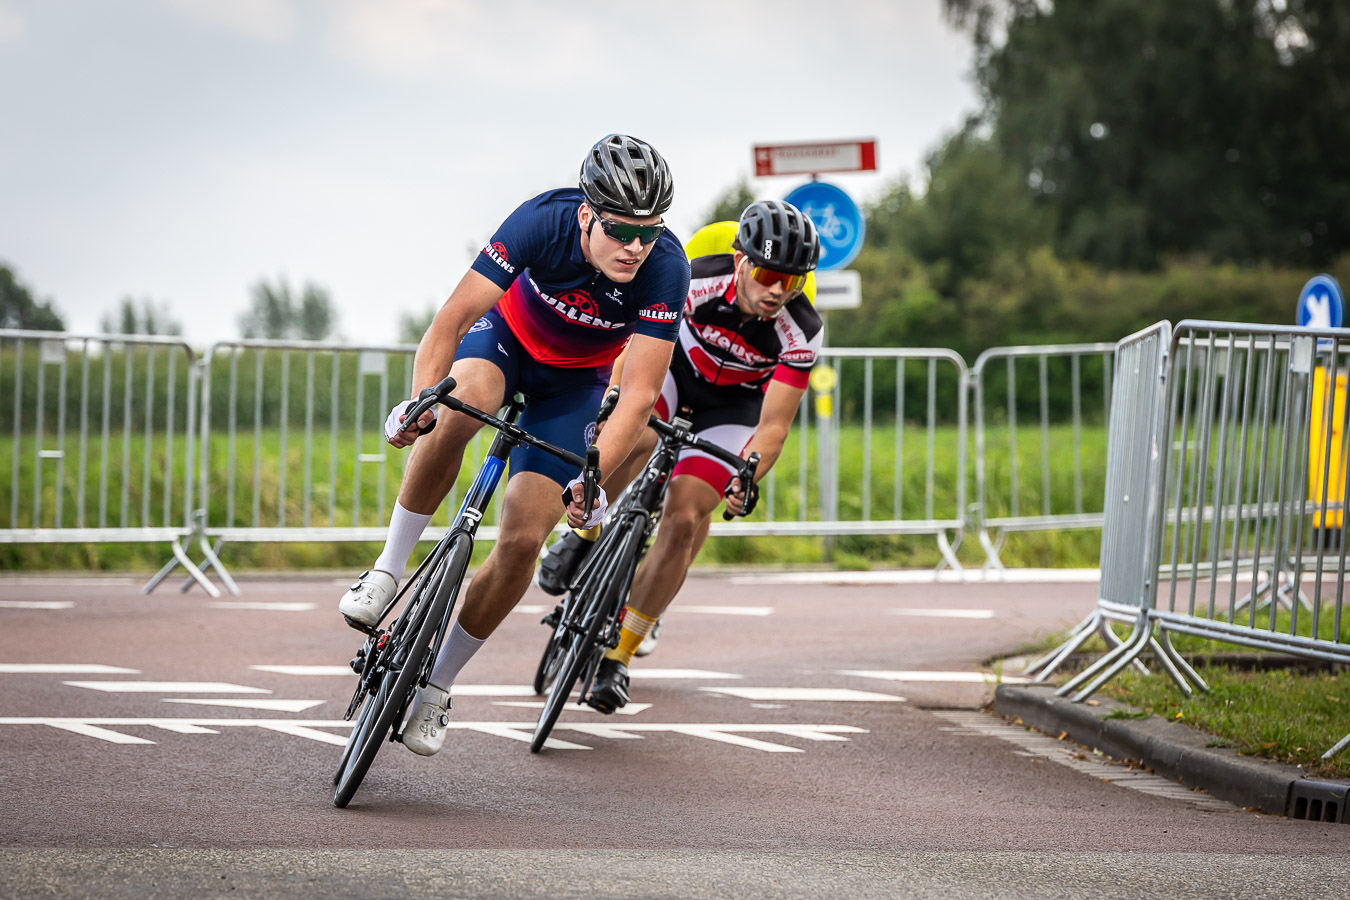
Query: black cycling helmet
(624, 175)
(778, 236)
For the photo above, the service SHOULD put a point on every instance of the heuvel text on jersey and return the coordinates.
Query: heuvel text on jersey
(718, 345)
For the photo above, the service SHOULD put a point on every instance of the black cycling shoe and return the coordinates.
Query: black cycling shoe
(610, 690)
(561, 563)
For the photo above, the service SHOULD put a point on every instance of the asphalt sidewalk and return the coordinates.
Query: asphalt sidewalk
(1177, 751)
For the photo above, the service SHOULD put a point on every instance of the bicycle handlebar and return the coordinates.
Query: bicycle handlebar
(745, 468)
(440, 393)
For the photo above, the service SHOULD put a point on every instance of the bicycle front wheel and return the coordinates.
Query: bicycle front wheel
(389, 701)
(595, 602)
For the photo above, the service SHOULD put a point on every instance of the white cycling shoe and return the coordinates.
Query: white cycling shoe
(425, 732)
(367, 599)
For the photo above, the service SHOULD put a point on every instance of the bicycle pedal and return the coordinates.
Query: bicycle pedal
(360, 626)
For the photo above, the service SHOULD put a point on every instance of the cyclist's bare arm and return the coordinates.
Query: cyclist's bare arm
(775, 421)
(645, 362)
(468, 302)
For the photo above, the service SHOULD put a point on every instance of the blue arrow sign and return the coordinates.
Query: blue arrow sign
(1320, 304)
(838, 220)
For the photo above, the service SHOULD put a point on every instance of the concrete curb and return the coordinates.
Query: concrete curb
(1173, 750)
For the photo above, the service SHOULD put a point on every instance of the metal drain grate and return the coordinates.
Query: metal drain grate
(1317, 801)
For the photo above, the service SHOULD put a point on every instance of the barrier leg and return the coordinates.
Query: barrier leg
(1175, 664)
(1111, 663)
(948, 550)
(213, 556)
(991, 547)
(1048, 662)
(181, 559)
(1340, 745)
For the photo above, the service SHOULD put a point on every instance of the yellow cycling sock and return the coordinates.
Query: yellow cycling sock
(588, 534)
(636, 626)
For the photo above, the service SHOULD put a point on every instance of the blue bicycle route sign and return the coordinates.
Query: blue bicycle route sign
(1320, 304)
(837, 218)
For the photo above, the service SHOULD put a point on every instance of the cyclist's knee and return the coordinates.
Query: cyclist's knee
(681, 524)
(520, 545)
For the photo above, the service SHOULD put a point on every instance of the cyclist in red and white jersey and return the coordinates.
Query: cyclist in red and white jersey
(747, 343)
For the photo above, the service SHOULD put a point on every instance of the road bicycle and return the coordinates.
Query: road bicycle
(394, 663)
(586, 624)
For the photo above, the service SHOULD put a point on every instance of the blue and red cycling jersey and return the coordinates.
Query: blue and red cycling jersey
(560, 308)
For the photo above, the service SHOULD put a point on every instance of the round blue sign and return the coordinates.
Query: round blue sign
(837, 218)
(1320, 304)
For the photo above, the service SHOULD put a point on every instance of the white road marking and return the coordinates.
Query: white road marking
(531, 609)
(822, 694)
(493, 690)
(728, 610)
(68, 582)
(1033, 743)
(166, 687)
(37, 604)
(735, 735)
(691, 674)
(944, 613)
(251, 703)
(64, 669)
(259, 604)
(305, 670)
(927, 576)
(632, 709)
(939, 677)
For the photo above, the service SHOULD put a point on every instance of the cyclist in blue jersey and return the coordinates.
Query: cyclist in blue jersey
(569, 279)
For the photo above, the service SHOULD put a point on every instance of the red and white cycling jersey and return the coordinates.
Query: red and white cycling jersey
(718, 346)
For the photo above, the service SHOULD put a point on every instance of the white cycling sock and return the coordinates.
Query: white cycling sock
(405, 530)
(459, 648)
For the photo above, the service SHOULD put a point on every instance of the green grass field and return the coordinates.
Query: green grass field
(323, 484)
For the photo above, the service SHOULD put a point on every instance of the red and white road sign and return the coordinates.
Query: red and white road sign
(813, 158)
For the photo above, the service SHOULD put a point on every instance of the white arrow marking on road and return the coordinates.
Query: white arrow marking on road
(682, 673)
(253, 703)
(939, 677)
(632, 709)
(824, 694)
(36, 604)
(306, 670)
(944, 613)
(103, 734)
(729, 610)
(166, 687)
(258, 604)
(519, 731)
(64, 669)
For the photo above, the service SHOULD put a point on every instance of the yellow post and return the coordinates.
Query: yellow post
(1317, 459)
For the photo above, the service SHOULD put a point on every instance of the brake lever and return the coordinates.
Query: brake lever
(747, 477)
(426, 399)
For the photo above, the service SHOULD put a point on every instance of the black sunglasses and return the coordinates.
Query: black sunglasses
(624, 233)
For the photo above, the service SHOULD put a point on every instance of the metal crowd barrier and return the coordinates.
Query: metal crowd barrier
(895, 405)
(1245, 538)
(101, 432)
(1053, 494)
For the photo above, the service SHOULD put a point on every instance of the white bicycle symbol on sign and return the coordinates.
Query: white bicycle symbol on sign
(834, 231)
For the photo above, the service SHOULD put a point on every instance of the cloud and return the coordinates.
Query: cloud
(12, 26)
(267, 21)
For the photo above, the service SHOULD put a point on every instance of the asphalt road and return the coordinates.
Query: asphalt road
(786, 738)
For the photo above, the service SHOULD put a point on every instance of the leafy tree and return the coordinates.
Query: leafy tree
(731, 203)
(411, 326)
(276, 315)
(147, 317)
(19, 309)
(1154, 128)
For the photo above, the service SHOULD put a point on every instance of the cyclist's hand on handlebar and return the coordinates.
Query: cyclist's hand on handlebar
(575, 516)
(739, 501)
(400, 434)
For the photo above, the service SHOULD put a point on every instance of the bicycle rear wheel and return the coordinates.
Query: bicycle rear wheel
(551, 661)
(389, 700)
(596, 602)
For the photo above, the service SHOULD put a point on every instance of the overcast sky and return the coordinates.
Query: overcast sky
(181, 150)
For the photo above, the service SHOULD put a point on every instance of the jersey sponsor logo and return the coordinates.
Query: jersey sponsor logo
(481, 325)
(589, 433)
(496, 251)
(614, 295)
(801, 354)
(733, 344)
(703, 287)
(577, 306)
(657, 312)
